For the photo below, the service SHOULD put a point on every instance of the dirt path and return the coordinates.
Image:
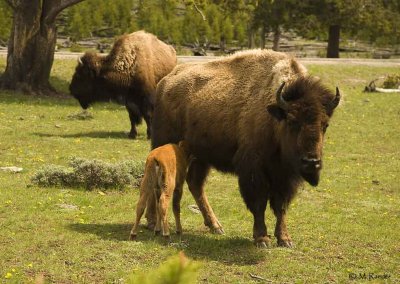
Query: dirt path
(306, 61)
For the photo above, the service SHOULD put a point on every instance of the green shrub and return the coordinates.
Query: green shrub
(98, 174)
(53, 175)
(392, 82)
(176, 270)
(90, 174)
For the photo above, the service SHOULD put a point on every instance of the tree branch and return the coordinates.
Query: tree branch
(198, 10)
(57, 7)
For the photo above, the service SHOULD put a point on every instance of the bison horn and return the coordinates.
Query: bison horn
(334, 103)
(80, 60)
(279, 98)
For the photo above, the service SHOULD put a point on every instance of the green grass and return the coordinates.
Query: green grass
(348, 224)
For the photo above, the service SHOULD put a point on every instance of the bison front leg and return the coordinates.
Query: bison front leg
(195, 178)
(147, 119)
(147, 111)
(134, 116)
(279, 206)
(255, 196)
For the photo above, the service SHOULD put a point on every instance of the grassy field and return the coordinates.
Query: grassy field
(347, 226)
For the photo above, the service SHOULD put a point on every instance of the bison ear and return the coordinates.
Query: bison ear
(277, 112)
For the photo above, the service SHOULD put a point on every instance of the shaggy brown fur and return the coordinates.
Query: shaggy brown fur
(164, 176)
(236, 116)
(130, 73)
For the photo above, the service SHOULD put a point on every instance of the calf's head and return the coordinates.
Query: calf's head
(303, 110)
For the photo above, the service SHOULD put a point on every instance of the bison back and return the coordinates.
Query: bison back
(219, 106)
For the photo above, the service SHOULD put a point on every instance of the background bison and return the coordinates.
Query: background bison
(257, 114)
(136, 63)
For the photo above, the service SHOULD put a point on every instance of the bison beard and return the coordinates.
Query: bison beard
(237, 116)
(129, 75)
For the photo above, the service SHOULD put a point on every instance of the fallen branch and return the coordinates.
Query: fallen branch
(260, 278)
(382, 90)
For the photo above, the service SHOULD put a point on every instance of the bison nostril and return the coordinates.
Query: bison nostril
(311, 163)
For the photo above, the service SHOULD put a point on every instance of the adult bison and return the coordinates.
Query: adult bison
(257, 114)
(131, 71)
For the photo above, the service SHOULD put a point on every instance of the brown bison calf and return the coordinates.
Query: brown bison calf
(164, 175)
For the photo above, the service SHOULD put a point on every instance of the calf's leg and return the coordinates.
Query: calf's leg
(140, 207)
(176, 207)
(195, 178)
(151, 212)
(163, 209)
(157, 228)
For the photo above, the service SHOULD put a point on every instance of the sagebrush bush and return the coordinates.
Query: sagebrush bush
(53, 175)
(90, 174)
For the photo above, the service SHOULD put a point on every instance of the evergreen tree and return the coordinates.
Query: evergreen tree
(5, 21)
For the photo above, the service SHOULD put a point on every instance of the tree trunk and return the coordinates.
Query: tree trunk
(31, 45)
(222, 43)
(251, 39)
(277, 38)
(262, 37)
(333, 41)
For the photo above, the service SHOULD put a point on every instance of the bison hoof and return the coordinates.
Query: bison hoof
(132, 237)
(262, 245)
(263, 242)
(132, 135)
(157, 233)
(217, 231)
(285, 243)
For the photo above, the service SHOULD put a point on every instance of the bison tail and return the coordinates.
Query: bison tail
(159, 174)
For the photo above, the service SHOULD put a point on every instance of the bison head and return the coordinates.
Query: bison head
(304, 109)
(83, 82)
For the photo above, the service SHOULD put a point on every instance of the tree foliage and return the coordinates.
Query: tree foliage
(222, 22)
(5, 21)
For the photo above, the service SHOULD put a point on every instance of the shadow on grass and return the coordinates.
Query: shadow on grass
(201, 246)
(92, 134)
(115, 232)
